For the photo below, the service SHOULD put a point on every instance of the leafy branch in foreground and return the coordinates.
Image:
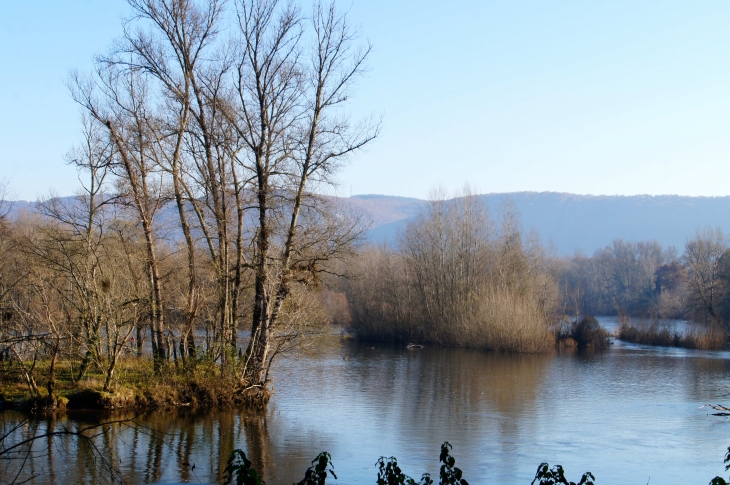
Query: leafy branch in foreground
(239, 470)
(556, 476)
(317, 473)
(390, 473)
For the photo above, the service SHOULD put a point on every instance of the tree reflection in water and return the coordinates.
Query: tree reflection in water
(504, 414)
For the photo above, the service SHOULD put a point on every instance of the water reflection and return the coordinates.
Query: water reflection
(629, 415)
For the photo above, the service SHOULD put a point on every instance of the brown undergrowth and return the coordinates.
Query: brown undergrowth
(199, 384)
(585, 334)
(704, 337)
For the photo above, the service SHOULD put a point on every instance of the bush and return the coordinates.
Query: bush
(589, 334)
(452, 281)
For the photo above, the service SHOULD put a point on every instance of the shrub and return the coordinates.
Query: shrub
(556, 476)
(589, 334)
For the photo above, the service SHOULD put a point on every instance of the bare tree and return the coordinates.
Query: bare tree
(10, 274)
(287, 113)
(175, 54)
(455, 282)
(702, 257)
(383, 303)
(239, 131)
(448, 250)
(119, 100)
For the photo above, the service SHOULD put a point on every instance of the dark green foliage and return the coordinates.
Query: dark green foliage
(239, 469)
(317, 473)
(389, 473)
(720, 480)
(449, 474)
(556, 476)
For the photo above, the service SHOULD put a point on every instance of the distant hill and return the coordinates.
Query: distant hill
(567, 222)
(570, 222)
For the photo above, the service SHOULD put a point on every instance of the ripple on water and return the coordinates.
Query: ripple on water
(629, 415)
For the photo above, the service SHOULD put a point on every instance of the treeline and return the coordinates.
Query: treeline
(231, 112)
(459, 277)
(645, 280)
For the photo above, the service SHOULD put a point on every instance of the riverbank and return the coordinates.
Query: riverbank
(504, 413)
(701, 337)
(139, 387)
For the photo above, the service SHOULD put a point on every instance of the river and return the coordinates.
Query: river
(630, 415)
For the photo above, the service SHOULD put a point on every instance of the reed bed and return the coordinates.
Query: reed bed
(699, 336)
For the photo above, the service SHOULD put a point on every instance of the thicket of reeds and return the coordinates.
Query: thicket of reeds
(699, 336)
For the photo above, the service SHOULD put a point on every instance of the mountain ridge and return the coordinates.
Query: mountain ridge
(564, 221)
(584, 222)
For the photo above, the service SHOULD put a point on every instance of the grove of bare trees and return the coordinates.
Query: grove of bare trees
(235, 114)
(642, 279)
(459, 278)
(456, 279)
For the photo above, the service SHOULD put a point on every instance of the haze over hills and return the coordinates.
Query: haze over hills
(570, 222)
(566, 222)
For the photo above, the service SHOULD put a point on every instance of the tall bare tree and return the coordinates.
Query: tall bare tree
(176, 53)
(286, 109)
(239, 131)
(119, 100)
(448, 250)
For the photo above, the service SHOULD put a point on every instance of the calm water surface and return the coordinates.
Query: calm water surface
(630, 415)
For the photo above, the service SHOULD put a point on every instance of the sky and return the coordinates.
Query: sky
(588, 97)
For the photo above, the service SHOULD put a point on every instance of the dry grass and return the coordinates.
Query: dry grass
(203, 384)
(137, 386)
(503, 320)
(507, 321)
(709, 337)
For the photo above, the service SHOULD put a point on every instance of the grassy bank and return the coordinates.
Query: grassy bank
(706, 337)
(138, 386)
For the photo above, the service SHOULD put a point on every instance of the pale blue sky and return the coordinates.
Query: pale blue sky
(619, 97)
